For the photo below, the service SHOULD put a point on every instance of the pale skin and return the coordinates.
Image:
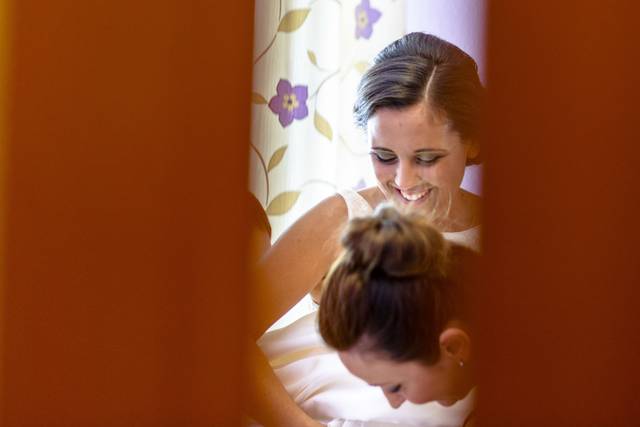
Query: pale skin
(419, 163)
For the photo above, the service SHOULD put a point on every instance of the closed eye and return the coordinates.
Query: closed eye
(395, 389)
(428, 160)
(384, 157)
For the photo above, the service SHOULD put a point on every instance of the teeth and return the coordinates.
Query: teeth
(413, 197)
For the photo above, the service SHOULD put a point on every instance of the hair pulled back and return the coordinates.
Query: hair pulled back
(397, 283)
(422, 67)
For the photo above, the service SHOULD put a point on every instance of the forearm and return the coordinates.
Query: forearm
(269, 403)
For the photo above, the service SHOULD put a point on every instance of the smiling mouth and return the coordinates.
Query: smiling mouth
(413, 197)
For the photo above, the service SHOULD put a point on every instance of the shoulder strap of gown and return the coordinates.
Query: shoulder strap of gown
(356, 204)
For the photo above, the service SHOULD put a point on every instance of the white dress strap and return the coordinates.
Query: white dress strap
(356, 204)
(470, 238)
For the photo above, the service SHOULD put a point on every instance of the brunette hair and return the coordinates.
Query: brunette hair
(422, 67)
(397, 284)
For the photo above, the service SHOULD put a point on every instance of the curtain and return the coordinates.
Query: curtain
(308, 59)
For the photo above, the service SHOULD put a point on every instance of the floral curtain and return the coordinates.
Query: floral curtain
(308, 59)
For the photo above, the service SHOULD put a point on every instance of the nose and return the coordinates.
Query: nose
(395, 399)
(406, 176)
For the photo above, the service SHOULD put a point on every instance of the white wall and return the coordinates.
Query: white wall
(460, 22)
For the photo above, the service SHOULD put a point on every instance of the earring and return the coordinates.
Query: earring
(461, 364)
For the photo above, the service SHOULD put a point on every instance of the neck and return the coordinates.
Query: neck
(468, 380)
(464, 212)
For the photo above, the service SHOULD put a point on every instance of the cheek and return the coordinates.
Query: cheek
(447, 173)
(429, 386)
(383, 172)
(422, 393)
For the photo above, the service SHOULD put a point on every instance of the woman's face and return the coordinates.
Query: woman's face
(417, 159)
(412, 381)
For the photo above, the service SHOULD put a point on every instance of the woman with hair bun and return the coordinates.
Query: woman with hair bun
(393, 306)
(420, 106)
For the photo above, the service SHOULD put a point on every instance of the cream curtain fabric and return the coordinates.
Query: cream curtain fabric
(308, 59)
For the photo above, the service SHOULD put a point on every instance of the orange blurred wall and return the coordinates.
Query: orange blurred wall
(125, 131)
(125, 128)
(559, 324)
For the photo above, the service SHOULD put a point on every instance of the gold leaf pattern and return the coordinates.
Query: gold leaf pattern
(312, 57)
(256, 98)
(361, 66)
(288, 48)
(323, 126)
(283, 203)
(276, 158)
(293, 20)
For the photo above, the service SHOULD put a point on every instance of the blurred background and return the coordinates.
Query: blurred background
(127, 129)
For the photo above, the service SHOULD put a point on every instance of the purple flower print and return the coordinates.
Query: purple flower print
(290, 102)
(366, 16)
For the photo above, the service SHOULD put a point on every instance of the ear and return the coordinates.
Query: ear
(455, 344)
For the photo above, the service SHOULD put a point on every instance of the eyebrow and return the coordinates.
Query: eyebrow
(431, 150)
(420, 151)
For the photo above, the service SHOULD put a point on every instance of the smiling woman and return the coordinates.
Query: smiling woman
(419, 162)
(420, 106)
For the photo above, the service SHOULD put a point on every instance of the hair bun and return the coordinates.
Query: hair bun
(395, 245)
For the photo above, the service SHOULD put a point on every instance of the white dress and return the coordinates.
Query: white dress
(318, 382)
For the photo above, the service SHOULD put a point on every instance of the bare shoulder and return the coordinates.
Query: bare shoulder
(321, 220)
(373, 196)
(299, 259)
